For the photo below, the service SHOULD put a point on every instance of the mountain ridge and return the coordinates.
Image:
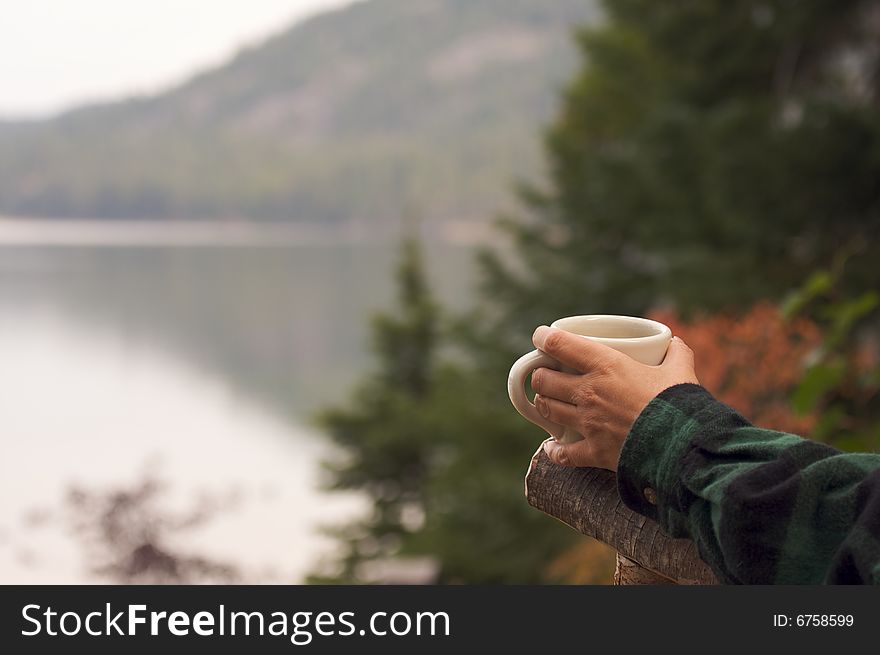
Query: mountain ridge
(367, 111)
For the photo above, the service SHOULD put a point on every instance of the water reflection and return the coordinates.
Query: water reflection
(207, 359)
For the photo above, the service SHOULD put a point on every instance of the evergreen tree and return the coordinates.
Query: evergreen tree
(439, 454)
(380, 432)
(709, 153)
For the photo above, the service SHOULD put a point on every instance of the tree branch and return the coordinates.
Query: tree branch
(586, 499)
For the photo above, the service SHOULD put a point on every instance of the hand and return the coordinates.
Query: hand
(605, 398)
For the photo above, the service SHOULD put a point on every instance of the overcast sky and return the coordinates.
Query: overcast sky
(58, 53)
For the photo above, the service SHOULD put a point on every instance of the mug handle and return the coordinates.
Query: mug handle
(516, 389)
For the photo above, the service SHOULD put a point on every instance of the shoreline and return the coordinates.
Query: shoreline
(17, 231)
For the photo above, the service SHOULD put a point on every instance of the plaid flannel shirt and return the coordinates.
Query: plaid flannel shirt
(763, 507)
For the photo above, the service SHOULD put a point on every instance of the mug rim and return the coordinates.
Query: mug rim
(663, 330)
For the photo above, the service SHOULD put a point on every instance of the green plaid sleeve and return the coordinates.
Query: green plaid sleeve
(763, 507)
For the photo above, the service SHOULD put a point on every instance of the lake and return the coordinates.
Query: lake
(127, 354)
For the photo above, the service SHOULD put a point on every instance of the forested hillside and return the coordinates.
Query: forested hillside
(383, 107)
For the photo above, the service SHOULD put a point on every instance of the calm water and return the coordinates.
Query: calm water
(202, 363)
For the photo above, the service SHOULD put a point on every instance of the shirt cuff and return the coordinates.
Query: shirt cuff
(649, 468)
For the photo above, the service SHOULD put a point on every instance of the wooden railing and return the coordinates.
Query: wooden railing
(586, 499)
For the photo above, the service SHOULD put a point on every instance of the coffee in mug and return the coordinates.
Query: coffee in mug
(642, 339)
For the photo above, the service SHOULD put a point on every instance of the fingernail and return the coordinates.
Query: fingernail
(539, 335)
(542, 407)
(549, 445)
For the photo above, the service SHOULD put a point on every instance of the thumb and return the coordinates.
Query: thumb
(680, 358)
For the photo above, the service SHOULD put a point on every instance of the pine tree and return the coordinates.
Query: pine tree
(708, 154)
(384, 453)
(438, 453)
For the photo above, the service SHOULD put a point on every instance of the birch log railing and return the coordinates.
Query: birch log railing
(586, 500)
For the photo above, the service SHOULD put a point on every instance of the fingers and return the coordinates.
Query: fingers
(570, 454)
(556, 410)
(580, 354)
(554, 384)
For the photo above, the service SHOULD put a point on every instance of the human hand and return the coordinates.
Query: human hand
(603, 400)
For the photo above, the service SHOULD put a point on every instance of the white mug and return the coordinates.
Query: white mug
(642, 339)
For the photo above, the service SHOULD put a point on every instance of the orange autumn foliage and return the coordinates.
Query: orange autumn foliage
(751, 362)
(588, 562)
